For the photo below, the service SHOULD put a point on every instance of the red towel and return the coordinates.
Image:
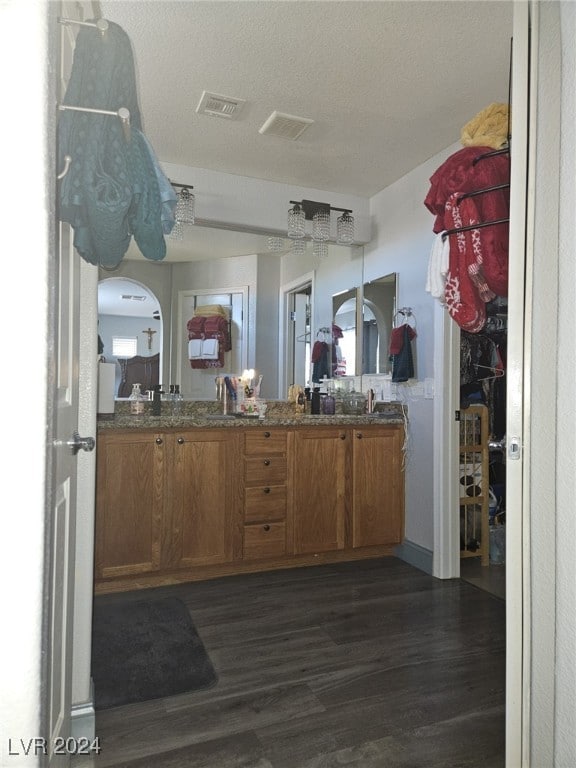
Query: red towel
(462, 298)
(195, 328)
(397, 338)
(459, 174)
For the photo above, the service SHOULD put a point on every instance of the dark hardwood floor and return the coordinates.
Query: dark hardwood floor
(372, 664)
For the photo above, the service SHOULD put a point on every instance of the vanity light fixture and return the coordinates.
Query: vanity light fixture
(320, 215)
(184, 211)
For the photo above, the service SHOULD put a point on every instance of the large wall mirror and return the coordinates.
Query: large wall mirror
(278, 305)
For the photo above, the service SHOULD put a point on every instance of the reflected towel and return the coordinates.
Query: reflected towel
(210, 349)
(194, 349)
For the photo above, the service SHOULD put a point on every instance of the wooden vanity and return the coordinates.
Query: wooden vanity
(186, 503)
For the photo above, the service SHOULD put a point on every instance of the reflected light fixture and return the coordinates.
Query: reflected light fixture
(320, 215)
(275, 243)
(184, 211)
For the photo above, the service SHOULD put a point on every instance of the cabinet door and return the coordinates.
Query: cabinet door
(318, 461)
(378, 493)
(129, 498)
(203, 525)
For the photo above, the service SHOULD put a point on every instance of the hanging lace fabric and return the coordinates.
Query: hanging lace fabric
(114, 188)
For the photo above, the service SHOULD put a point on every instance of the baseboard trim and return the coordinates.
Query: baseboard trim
(415, 555)
(83, 719)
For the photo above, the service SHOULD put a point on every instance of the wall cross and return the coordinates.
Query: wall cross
(150, 333)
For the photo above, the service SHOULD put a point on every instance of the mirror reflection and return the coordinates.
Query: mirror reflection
(378, 310)
(344, 332)
(276, 305)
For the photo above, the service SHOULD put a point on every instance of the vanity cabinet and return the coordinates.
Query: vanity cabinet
(319, 468)
(166, 501)
(198, 503)
(265, 493)
(129, 503)
(347, 487)
(200, 516)
(377, 495)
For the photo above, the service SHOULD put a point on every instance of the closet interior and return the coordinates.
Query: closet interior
(468, 274)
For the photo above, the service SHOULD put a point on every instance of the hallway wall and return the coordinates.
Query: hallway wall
(401, 241)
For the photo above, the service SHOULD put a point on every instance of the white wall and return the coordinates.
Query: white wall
(27, 164)
(402, 239)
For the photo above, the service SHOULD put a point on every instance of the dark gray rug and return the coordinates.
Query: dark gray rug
(146, 650)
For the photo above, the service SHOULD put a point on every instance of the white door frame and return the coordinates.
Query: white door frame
(284, 317)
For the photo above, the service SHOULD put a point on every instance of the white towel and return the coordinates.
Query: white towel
(194, 349)
(438, 267)
(210, 349)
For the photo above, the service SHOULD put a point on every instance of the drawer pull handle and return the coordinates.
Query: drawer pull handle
(266, 434)
(159, 441)
(266, 490)
(359, 435)
(266, 527)
(180, 440)
(342, 436)
(266, 462)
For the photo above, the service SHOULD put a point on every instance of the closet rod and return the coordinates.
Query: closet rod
(123, 114)
(101, 24)
(481, 192)
(473, 226)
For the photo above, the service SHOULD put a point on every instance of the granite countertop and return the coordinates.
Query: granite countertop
(279, 414)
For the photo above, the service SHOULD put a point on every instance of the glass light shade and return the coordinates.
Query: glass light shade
(177, 231)
(275, 243)
(184, 212)
(320, 248)
(321, 226)
(345, 229)
(298, 247)
(296, 223)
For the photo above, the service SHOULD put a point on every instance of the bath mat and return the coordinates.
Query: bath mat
(146, 649)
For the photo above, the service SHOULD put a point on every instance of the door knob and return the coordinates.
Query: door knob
(78, 443)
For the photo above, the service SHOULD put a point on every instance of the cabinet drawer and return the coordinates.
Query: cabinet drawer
(265, 470)
(265, 441)
(266, 540)
(265, 503)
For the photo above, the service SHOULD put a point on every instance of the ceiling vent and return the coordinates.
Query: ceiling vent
(216, 105)
(131, 297)
(285, 126)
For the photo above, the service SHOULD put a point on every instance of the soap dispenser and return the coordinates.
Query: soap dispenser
(177, 401)
(136, 401)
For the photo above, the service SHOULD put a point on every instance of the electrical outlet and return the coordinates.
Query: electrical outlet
(417, 389)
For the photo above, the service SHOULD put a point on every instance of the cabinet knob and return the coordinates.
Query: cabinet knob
(266, 462)
(266, 434)
(180, 441)
(342, 436)
(359, 435)
(159, 441)
(266, 490)
(266, 527)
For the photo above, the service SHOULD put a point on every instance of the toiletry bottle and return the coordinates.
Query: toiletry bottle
(315, 401)
(329, 403)
(177, 401)
(136, 401)
(157, 400)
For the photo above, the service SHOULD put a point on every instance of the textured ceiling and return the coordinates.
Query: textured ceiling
(388, 84)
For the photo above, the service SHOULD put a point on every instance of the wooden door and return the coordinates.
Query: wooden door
(129, 503)
(319, 469)
(377, 495)
(203, 523)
